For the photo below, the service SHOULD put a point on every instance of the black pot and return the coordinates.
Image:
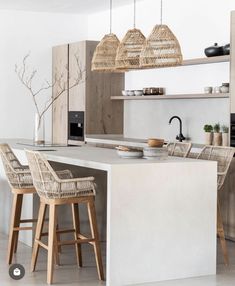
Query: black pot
(226, 49)
(214, 51)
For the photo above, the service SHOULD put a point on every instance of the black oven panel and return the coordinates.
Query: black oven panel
(76, 125)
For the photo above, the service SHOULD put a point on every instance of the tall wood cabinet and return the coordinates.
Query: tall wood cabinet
(92, 95)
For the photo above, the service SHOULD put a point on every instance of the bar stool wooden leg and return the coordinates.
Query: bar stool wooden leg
(95, 236)
(220, 231)
(17, 224)
(51, 239)
(57, 237)
(15, 216)
(41, 217)
(76, 225)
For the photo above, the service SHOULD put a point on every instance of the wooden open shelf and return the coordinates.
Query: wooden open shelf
(196, 61)
(176, 96)
(203, 61)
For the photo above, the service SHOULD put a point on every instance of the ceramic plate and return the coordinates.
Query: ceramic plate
(130, 154)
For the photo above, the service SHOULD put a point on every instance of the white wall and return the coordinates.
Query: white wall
(21, 32)
(197, 24)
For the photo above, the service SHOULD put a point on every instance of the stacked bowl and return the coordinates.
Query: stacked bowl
(155, 149)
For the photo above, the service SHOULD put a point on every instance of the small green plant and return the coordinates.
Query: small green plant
(225, 129)
(216, 128)
(208, 128)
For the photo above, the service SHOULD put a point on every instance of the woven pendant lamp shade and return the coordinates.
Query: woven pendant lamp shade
(105, 53)
(161, 49)
(128, 53)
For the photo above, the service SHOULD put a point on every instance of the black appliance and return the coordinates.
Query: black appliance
(232, 130)
(76, 125)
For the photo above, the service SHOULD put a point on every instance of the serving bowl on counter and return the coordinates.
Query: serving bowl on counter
(155, 153)
(129, 153)
(155, 142)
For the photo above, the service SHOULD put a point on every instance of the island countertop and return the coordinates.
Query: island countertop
(87, 156)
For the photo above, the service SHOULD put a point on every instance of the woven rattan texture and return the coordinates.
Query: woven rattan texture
(105, 54)
(18, 175)
(53, 185)
(161, 49)
(179, 149)
(128, 53)
(222, 155)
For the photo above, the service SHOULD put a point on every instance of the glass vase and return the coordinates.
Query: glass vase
(39, 130)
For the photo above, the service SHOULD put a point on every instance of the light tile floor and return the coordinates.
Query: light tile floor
(87, 276)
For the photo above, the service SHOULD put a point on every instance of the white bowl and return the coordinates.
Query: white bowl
(130, 154)
(130, 92)
(138, 92)
(124, 92)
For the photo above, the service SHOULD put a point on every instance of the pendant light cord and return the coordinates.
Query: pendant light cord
(161, 12)
(110, 16)
(134, 13)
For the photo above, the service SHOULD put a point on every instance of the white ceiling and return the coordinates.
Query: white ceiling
(61, 6)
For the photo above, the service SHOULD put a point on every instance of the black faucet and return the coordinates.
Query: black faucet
(179, 137)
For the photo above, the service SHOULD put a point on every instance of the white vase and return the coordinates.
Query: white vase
(224, 139)
(217, 139)
(208, 138)
(39, 130)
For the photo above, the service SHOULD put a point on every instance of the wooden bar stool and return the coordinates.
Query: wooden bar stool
(20, 180)
(53, 192)
(223, 156)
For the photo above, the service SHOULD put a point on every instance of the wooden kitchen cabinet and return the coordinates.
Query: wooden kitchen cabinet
(60, 106)
(92, 95)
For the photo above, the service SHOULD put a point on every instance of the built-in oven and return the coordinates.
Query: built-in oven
(232, 130)
(76, 125)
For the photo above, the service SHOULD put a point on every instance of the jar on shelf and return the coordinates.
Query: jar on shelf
(224, 87)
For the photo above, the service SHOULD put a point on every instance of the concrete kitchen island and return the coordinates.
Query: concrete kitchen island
(161, 215)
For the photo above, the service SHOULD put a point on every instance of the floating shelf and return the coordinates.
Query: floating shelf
(203, 61)
(196, 61)
(176, 96)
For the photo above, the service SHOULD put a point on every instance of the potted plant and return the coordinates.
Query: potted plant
(224, 135)
(208, 134)
(217, 135)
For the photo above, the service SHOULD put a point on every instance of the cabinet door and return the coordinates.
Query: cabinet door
(232, 63)
(77, 72)
(103, 116)
(60, 105)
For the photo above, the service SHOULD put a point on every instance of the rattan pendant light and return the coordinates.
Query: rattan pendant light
(161, 48)
(105, 53)
(128, 53)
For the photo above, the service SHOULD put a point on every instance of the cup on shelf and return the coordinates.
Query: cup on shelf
(217, 89)
(124, 92)
(130, 92)
(208, 89)
(138, 92)
(224, 88)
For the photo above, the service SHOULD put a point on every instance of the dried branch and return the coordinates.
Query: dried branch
(28, 79)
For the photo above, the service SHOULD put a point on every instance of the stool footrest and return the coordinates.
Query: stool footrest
(77, 241)
(41, 244)
(28, 220)
(60, 231)
(22, 228)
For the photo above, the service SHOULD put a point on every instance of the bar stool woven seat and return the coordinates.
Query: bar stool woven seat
(179, 149)
(55, 190)
(18, 175)
(20, 180)
(53, 186)
(223, 156)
